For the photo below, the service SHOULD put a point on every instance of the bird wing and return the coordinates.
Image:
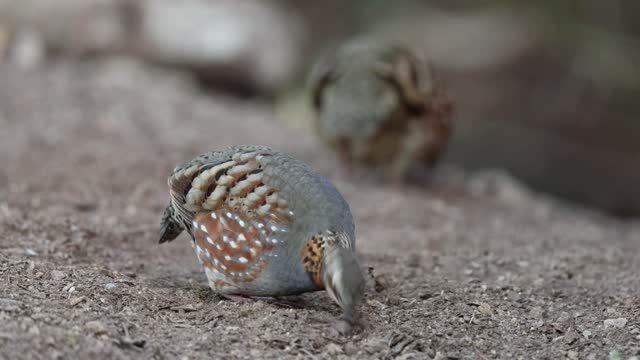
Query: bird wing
(230, 179)
(236, 220)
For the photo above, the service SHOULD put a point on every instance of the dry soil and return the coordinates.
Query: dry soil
(469, 267)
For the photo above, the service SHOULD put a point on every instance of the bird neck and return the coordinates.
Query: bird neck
(342, 278)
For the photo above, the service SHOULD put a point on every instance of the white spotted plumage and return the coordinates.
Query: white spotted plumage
(250, 211)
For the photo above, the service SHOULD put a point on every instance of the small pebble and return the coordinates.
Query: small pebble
(564, 317)
(30, 252)
(96, 327)
(333, 349)
(110, 286)
(68, 286)
(350, 349)
(485, 309)
(34, 330)
(618, 323)
(77, 300)
(57, 275)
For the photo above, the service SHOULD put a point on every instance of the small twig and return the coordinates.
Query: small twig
(336, 341)
(22, 287)
(579, 345)
(185, 308)
(308, 353)
(210, 319)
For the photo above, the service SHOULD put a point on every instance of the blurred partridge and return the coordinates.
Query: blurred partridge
(377, 104)
(265, 224)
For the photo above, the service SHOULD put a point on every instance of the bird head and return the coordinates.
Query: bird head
(342, 277)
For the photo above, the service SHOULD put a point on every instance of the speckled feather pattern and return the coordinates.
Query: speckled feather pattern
(251, 212)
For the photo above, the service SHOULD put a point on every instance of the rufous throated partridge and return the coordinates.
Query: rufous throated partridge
(378, 104)
(265, 224)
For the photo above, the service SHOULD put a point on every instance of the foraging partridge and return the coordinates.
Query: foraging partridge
(265, 224)
(378, 104)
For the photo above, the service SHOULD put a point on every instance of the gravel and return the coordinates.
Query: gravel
(460, 269)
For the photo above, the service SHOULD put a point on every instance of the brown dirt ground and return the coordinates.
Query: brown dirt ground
(475, 267)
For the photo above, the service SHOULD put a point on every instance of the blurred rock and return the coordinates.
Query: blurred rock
(467, 41)
(242, 45)
(4, 38)
(27, 49)
(499, 185)
(78, 26)
(245, 44)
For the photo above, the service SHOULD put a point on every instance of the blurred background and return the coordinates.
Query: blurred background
(544, 90)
